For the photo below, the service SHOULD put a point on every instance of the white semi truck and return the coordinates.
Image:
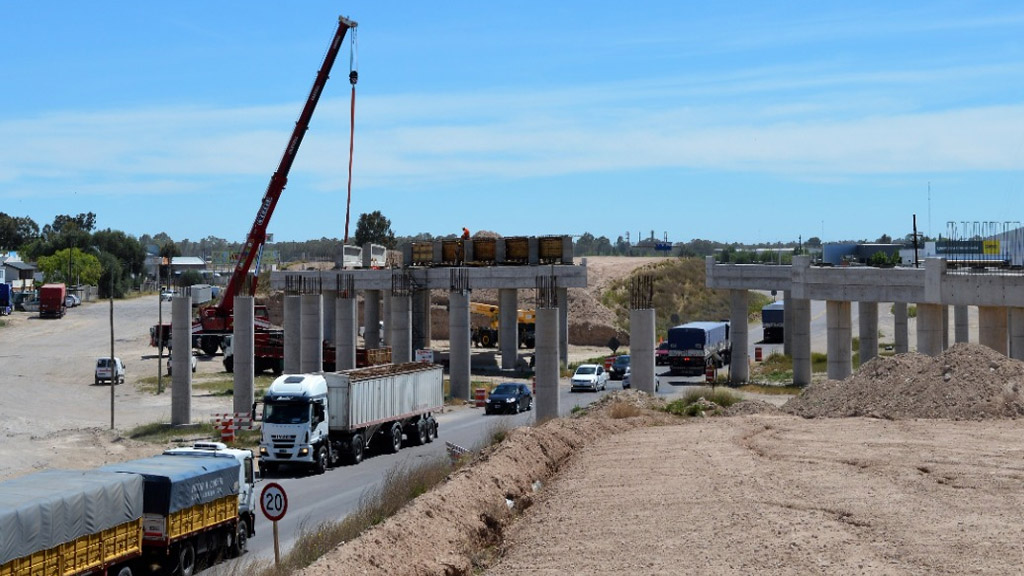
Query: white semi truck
(319, 420)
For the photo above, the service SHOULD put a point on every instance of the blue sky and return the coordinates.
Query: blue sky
(739, 121)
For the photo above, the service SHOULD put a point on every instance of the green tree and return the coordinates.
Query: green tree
(374, 228)
(83, 268)
(15, 231)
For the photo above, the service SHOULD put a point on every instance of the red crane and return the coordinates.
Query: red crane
(216, 321)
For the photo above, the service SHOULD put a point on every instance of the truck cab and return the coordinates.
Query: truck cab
(295, 423)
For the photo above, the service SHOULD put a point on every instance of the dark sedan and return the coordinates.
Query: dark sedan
(510, 398)
(618, 367)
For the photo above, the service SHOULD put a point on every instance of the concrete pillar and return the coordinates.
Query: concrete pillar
(945, 327)
(311, 356)
(420, 319)
(1017, 333)
(563, 325)
(243, 346)
(330, 302)
(839, 337)
(901, 339)
(546, 364)
(292, 333)
(787, 320)
(929, 329)
(800, 327)
(867, 330)
(346, 332)
(401, 329)
(181, 379)
(384, 332)
(961, 324)
(371, 318)
(458, 339)
(992, 328)
(641, 349)
(739, 366)
(508, 327)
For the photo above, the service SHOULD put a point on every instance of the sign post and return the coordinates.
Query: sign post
(274, 503)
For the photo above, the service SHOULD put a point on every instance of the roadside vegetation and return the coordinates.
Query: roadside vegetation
(703, 402)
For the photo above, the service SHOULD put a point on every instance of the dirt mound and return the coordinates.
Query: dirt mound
(443, 531)
(749, 407)
(966, 382)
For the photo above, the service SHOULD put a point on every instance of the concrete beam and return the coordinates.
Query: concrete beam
(547, 365)
(311, 355)
(901, 339)
(961, 324)
(181, 379)
(439, 278)
(243, 345)
(992, 328)
(641, 349)
(420, 319)
(401, 329)
(459, 352)
(840, 340)
(1016, 329)
(292, 333)
(371, 319)
(800, 326)
(929, 329)
(346, 333)
(508, 327)
(739, 366)
(867, 323)
(787, 324)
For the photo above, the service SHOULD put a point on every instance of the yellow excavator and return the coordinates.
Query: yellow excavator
(487, 336)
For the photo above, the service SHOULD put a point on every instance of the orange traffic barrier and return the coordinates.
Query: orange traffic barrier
(709, 374)
(480, 395)
(757, 353)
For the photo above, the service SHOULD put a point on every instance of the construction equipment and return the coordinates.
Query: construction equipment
(487, 336)
(216, 321)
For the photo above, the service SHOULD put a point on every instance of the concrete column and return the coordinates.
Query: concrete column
(401, 329)
(945, 327)
(243, 345)
(961, 324)
(371, 319)
(991, 328)
(641, 349)
(311, 356)
(346, 332)
(800, 327)
(901, 339)
(739, 366)
(929, 329)
(508, 327)
(867, 330)
(1017, 333)
(546, 364)
(563, 326)
(330, 302)
(292, 333)
(787, 321)
(181, 379)
(420, 319)
(840, 342)
(458, 339)
(385, 314)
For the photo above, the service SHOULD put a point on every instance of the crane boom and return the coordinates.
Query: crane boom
(218, 318)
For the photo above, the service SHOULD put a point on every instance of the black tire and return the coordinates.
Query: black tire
(422, 432)
(394, 438)
(431, 430)
(229, 364)
(358, 445)
(278, 368)
(320, 462)
(124, 571)
(96, 381)
(241, 541)
(186, 559)
(485, 340)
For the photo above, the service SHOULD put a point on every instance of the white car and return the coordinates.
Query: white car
(627, 380)
(591, 377)
(195, 363)
(105, 374)
(166, 295)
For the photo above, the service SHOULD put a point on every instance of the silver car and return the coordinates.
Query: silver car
(591, 377)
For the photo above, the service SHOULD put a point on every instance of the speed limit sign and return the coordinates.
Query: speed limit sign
(273, 501)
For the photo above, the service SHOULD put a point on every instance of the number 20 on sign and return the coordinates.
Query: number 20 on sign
(274, 502)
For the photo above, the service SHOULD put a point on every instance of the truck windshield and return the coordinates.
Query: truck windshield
(286, 413)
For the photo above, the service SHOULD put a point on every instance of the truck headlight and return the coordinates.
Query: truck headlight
(303, 451)
(263, 451)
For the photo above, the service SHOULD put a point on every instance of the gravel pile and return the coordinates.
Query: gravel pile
(966, 382)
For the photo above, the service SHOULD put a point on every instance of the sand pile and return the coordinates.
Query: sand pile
(966, 382)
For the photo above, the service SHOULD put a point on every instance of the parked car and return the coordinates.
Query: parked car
(627, 381)
(509, 397)
(618, 367)
(104, 373)
(166, 295)
(195, 363)
(589, 377)
(661, 354)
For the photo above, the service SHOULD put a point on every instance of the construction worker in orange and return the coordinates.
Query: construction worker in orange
(465, 233)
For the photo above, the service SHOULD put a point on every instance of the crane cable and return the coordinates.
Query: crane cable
(353, 77)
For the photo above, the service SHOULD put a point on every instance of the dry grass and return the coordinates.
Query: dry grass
(620, 409)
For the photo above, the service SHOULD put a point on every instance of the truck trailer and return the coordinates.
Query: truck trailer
(51, 301)
(319, 420)
(6, 299)
(772, 322)
(695, 346)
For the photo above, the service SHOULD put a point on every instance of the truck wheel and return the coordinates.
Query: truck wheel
(485, 340)
(186, 559)
(395, 438)
(432, 432)
(320, 464)
(125, 571)
(356, 447)
(268, 467)
(229, 364)
(422, 432)
(241, 542)
(209, 345)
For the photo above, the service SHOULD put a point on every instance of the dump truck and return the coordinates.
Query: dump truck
(191, 506)
(51, 301)
(6, 299)
(268, 354)
(317, 421)
(773, 322)
(487, 336)
(71, 523)
(695, 346)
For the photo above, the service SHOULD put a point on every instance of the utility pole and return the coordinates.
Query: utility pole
(159, 328)
(113, 367)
